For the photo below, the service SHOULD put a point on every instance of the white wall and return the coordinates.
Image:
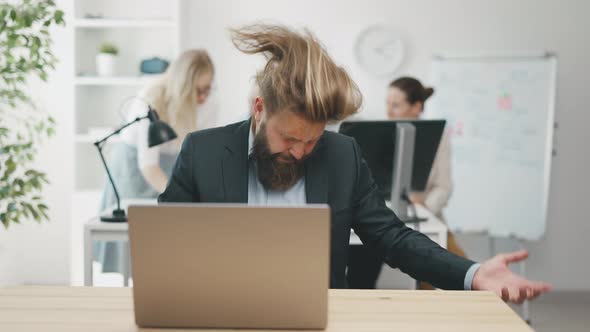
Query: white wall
(429, 26)
(33, 253)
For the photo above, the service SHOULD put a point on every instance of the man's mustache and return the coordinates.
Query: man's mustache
(289, 159)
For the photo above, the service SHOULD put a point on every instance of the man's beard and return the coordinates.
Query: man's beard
(273, 174)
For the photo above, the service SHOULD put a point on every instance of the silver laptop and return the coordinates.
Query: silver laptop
(230, 266)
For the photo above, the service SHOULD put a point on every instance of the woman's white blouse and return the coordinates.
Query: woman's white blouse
(137, 134)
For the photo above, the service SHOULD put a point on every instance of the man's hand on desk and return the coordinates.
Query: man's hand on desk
(417, 198)
(494, 275)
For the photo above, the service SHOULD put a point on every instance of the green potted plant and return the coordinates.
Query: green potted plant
(106, 59)
(25, 53)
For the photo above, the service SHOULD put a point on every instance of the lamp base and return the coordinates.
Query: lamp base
(117, 216)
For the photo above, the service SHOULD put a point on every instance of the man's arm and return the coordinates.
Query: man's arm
(182, 186)
(411, 251)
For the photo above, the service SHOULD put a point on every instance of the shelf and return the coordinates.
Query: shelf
(124, 23)
(90, 139)
(113, 81)
(85, 138)
(88, 192)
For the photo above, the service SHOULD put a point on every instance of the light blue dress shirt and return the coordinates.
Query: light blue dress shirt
(258, 195)
(295, 196)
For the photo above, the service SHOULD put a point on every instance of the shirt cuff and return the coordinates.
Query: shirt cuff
(469, 276)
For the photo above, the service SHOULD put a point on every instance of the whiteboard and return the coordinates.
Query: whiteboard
(500, 117)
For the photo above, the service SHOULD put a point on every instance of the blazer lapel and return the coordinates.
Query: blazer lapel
(235, 166)
(316, 177)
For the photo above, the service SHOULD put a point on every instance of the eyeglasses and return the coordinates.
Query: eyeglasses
(204, 91)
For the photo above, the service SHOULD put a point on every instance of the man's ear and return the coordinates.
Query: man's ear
(258, 108)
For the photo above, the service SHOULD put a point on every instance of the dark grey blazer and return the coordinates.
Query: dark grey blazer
(213, 167)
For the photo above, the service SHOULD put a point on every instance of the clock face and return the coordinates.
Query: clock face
(379, 50)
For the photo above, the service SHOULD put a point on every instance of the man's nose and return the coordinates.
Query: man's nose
(297, 150)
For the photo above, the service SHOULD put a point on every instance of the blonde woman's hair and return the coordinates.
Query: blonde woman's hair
(174, 95)
(299, 76)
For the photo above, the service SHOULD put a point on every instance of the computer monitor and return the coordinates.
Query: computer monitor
(377, 140)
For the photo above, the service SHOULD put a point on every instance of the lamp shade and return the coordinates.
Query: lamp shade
(159, 131)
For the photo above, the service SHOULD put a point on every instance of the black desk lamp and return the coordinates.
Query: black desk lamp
(159, 132)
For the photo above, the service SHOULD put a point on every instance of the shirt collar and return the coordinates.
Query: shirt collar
(251, 140)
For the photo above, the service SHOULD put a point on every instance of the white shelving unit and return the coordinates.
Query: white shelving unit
(141, 29)
(89, 138)
(112, 81)
(124, 23)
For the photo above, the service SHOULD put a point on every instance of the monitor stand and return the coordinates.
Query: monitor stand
(401, 186)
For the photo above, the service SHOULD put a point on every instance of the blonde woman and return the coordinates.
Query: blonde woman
(178, 96)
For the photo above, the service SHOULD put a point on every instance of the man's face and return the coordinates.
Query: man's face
(281, 144)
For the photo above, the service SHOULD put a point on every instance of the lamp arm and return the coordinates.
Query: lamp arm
(118, 130)
(99, 145)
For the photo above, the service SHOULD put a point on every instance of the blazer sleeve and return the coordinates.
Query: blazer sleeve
(413, 252)
(181, 186)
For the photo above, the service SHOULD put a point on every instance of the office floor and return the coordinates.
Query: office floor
(561, 311)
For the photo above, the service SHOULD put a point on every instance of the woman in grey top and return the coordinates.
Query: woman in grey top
(405, 100)
(139, 171)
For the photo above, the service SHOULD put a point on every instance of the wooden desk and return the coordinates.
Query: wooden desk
(434, 228)
(48, 309)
